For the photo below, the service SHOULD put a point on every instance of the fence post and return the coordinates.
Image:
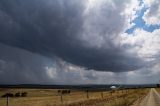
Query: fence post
(110, 92)
(87, 95)
(7, 102)
(102, 95)
(125, 101)
(61, 97)
(126, 91)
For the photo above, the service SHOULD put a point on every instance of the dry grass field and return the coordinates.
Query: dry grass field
(158, 90)
(51, 97)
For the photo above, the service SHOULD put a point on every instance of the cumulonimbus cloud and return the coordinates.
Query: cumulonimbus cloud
(63, 29)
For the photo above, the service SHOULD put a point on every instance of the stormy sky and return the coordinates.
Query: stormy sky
(79, 41)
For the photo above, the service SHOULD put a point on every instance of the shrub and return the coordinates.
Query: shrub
(7, 95)
(23, 94)
(17, 94)
(59, 91)
(64, 91)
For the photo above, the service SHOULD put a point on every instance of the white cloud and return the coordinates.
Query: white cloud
(152, 15)
(130, 12)
(144, 44)
(51, 72)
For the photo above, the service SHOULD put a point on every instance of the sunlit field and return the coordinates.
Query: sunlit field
(51, 97)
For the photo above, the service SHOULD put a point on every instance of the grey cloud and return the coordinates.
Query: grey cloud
(23, 67)
(19, 66)
(53, 28)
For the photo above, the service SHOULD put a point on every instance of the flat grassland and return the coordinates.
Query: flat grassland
(51, 97)
(158, 90)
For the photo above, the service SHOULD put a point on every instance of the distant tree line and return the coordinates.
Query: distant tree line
(18, 94)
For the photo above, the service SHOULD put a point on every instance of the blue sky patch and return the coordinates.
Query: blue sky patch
(140, 23)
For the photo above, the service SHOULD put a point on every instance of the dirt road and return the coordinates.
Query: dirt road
(152, 99)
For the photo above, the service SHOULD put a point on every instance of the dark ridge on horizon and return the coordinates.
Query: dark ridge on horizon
(90, 86)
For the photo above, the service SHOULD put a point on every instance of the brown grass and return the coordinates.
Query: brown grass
(50, 97)
(158, 90)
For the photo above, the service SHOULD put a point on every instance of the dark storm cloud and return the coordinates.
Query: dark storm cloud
(19, 66)
(52, 28)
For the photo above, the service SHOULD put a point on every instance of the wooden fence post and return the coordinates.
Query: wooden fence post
(87, 95)
(102, 95)
(61, 97)
(7, 102)
(111, 92)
